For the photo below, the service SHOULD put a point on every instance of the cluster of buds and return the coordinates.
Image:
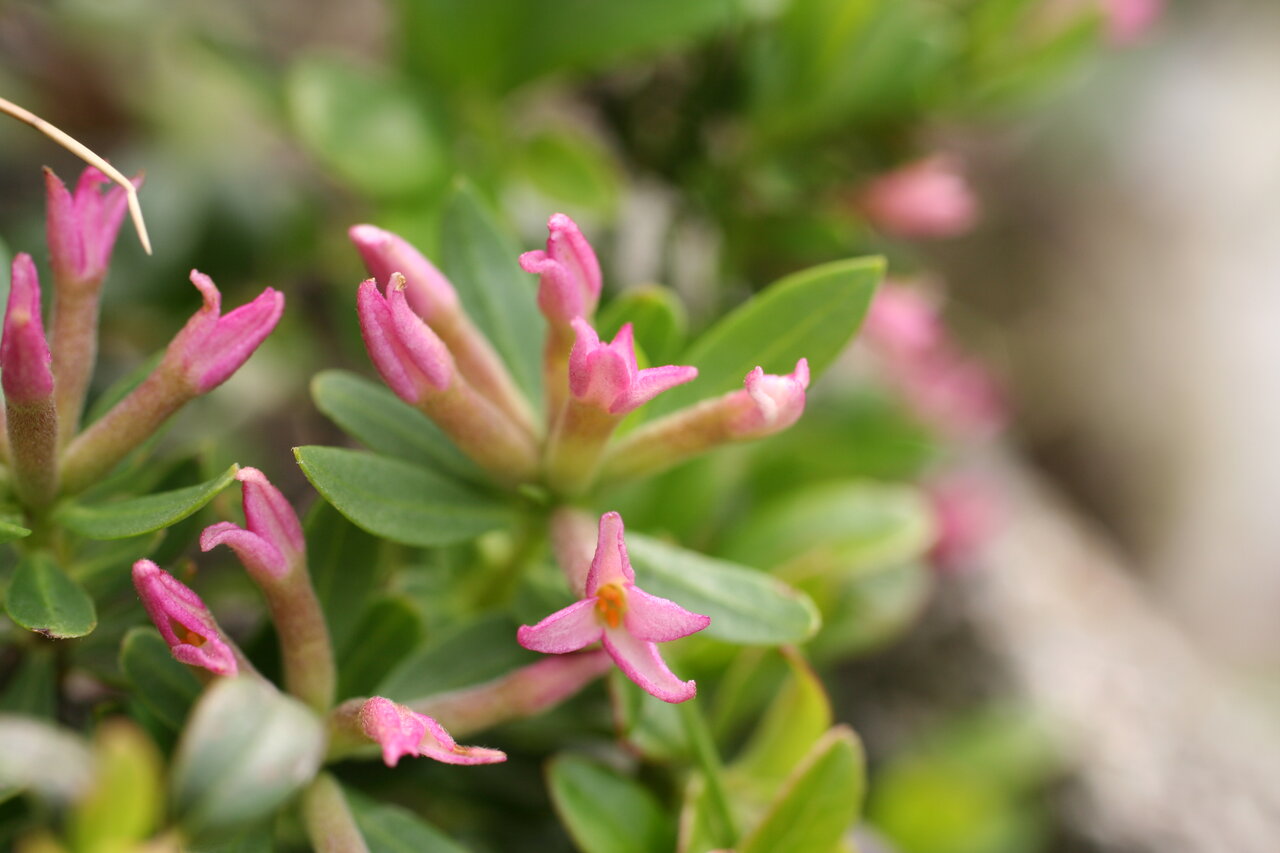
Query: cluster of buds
(45, 381)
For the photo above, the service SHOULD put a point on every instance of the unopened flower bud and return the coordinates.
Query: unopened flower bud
(183, 620)
(926, 199)
(31, 419)
(401, 731)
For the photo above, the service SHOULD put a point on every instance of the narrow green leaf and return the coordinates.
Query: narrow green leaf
(655, 314)
(342, 560)
(865, 612)
(481, 261)
(245, 750)
(135, 516)
(572, 168)
(11, 530)
(43, 598)
(389, 629)
(606, 812)
(746, 606)
(479, 651)
(167, 688)
(371, 414)
(795, 719)
(398, 500)
(392, 829)
(42, 757)
(819, 803)
(811, 314)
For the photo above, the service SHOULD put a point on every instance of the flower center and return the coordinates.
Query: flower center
(186, 635)
(611, 604)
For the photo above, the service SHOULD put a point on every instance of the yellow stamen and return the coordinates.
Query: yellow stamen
(611, 604)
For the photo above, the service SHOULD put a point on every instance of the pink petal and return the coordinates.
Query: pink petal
(438, 744)
(559, 297)
(170, 603)
(423, 347)
(598, 373)
(234, 338)
(428, 291)
(567, 244)
(643, 665)
(658, 620)
(253, 550)
(380, 339)
(649, 383)
(611, 563)
(25, 371)
(393, 726)
(564, 631)
(62, 228)
(268, 514)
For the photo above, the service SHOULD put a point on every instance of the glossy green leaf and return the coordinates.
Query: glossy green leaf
(398, 500)
(746, 606)
(374, 416)
(477, 652)
(41, 757)
(481, 261)
(811, 314)
(135, 516)
(43, 598)
(126, 800)
(819, 803)
(657, 317)
(369, 129)
(245, 750)
(388, 630)
(11, 530)
(392, 829)
(342, 560)
(167, 688)
(606, 812)
(32, 687)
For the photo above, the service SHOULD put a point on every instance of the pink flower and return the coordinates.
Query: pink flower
(628, 620)
(25, 371)
(82, 228)
(608, 377)
(926, 199)
(770, 403)
(211, 346)
(903, 320)
(411, 359)
(1129, 20)
(967, 512)
(183, 620)
(271, 543)
(570, 274)
(400, 731)
(427, 291)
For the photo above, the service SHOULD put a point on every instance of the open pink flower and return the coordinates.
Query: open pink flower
(570, 274)
(628, 620)
(926, 199)
(24, 351)
(212, 346)
(82, 228)
(183, 620)
(271, 542)
(608, 377)
(400, 731)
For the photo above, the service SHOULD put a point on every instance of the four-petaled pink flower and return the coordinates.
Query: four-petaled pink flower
(608, 377)
(271, 543)
(570, 274)
(183, 620)
(212, 346)
(628, 620)
(400, 731)
(82, 228)
(24, 351)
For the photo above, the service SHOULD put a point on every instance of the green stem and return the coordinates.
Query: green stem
(723, 828)
(305, 647)
(331, 827)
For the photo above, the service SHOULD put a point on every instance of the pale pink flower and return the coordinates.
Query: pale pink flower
(570, 273)
(427, 291)
(1129, 20)
(271, 542)
(926, 199)
(629, 621)
(82, 228)
(183, 620)
(212, 346)
(770, 403)
(25, 360)
(410, 358)
(607, 376)
(400, 732)
(967, 513)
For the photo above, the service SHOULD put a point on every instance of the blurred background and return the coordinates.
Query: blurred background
(1117, 274)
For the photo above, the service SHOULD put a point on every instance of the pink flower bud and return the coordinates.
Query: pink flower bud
(82, 228)
(271, 542)
(776, 402)
(926, 199)
(967, 513)
(183, 620)
(570, 274)
(607, 376)
(400, 732)
(411, 359)
(427, 291)
(24, 352)
(902, 320)
(212, 346)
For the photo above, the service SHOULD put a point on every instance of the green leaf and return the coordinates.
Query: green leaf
(126, 801)
(392, 829)
(811, 314)
(606, 812)
(42, 757)
(867, 611)
(32, 688)
(369, 129)
(481, 261)
(342, 560)
(397, 500)
(11, 530)
(746, 606)
(135, 516)
(477, 652)
(819, 803)
(167, 688)
(797, 717)
(245, 750)
(43, 598)
(573, 168)
(389, 629)
(651, 726)
(657, 317)
(374, 416)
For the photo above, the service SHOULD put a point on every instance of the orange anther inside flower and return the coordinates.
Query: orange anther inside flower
(186, 635)
(611, 604)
